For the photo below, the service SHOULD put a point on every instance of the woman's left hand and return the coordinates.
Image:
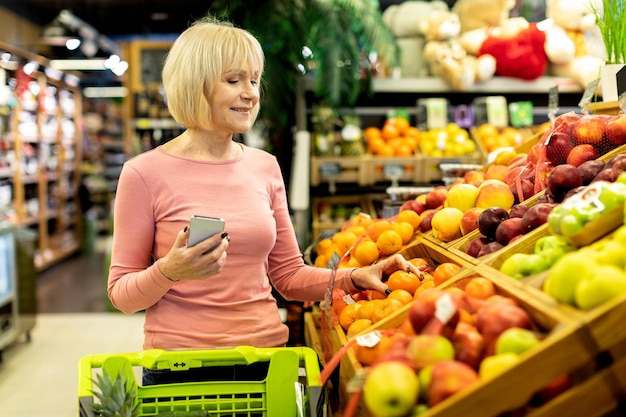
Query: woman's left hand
(372, 277)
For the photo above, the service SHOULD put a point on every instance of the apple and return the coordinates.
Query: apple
(589, 169)
(552, 390)
(425, 350)
(590, 129)
(605, 252)
(552, 247)
(436, 197)
(490, 219)
(536, 216)
(508, 229)
(535, 152)
(558, 146)
(516, 340)
(446, 224)
(422, 311)
(565, 274)
(497, 172)
(391, 389)
(563, 178)
(522, 265)
(447, 378)
(495, 193)
(474, 177)
(581, 153)
(523, 190)
(518, 210)
(469, 344)
(475, 245)
(616, 130)
(416, 206)
(462, 196)
(494, 318)
(469, 220)
(607, 281)
(489, 248)
(426, 220)
(566, 121)
(606, 174)
(494, 365)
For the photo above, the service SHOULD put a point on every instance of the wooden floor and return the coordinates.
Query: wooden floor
(74, 285)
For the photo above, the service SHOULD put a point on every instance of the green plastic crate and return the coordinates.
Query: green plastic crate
(266, 387)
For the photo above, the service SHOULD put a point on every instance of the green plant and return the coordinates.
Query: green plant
(117, 396)
(340, 35)
(610, 21)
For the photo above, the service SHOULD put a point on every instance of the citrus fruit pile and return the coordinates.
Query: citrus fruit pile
(396, 138)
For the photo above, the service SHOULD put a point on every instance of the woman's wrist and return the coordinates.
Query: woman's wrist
(358, 287)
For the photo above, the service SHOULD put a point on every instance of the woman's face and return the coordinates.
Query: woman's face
(233, 101)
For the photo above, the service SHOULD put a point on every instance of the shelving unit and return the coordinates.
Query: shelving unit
(42, 148)
(391, 94)
(8, 288)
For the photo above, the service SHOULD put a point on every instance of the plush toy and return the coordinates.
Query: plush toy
(447, 57)
(404, 21)
(479, 14)
(573, 42)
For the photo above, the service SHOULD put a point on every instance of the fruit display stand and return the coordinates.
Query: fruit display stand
(394, 168)
(248, 381)
(565, 348)
(324, 210)
(339, 169)
(431, 166)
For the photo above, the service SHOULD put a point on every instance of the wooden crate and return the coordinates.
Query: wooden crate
(377, 168)
(319, 224)
(350, 169)
(430, 166)
(565, 348)
(605, 107)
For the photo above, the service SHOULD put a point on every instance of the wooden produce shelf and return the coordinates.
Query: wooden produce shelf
(342, 169)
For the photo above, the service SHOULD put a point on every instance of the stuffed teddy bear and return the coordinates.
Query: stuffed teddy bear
(447, 57)
(478, 14)
(573, 42)
(404, 21)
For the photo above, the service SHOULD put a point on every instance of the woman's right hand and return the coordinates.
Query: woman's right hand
(203, 260)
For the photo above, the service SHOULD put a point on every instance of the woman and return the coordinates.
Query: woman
(218, 292)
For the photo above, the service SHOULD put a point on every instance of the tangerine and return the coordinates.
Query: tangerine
(480, 287)
(344, 241)
(385, 150)
(389, 242)
(404, 280)
(367, 309)
(401, 295)
(409, 216)
(323, 245)
(368, 355)
(358, 326)
(405, 230)
(348, 315)
(366, 252)
(375, 229)
(444, 272)
(385, 308)
(389, 131)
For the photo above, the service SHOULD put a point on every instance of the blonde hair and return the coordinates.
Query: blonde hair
(197, 61)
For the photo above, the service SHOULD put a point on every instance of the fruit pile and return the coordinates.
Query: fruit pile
(396, 138)
(450, 141)
(591, 275)
(450, 339)
(492, 138)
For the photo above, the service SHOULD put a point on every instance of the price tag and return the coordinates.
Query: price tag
(370, 339)
(444, 308)
(553, 98)
(393, 170)
(621, 81)
(334, 261)
(589, 93)
(330, 170)
(521, 113)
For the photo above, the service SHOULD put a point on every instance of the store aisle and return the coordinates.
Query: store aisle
(39, 377)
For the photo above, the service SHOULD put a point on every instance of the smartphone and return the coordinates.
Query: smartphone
(203, 227)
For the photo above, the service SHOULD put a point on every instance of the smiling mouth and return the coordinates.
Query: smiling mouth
(242, 110)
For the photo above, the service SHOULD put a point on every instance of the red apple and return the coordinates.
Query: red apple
(581, 153)
(416, 206)
(558, 146)
(469, 220)
(447, 378)
(475, 245)
(436, 197)
(426, 220)
(565, 122)
(469, 344)
(508, 229)
(494, 318)
(563, 178)
(590, 129)
(616, 130)
(422, 311)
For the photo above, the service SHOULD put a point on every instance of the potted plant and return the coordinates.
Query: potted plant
(610, 20)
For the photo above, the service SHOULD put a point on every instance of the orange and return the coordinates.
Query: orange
(427, 284)
(409, 216)
(358, 326)
(377, 227)
(480, 287)
(401, 295)
(323, 245)
(389, 131)
(421, 263)
(385, 308)
(321, 261)
(366, 252)
(444, 272)
(361, 220)
(367, 309)
(344, 241)
(348, 315)
(403, 280)
(413, 132)
(385, 150)
(389, 242)
(404, 149)
(372, 131)
(374, 144)
(368, 355)
(401, 123)
(405, 230)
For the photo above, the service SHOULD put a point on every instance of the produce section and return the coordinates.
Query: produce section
(517, 309)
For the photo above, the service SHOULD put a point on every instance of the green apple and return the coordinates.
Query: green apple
(571, 223)
(606, 252)
(565, 274)
(612, 195)
(516, 340)
(554, 219)
(494, 365)
(426, 349)
(420, 409)
(424, 378)
(512, 266)
(619, 235)
(552, 247)
(607, 282)
(391, 389)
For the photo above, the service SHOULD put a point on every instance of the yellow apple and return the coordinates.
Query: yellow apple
(462, 196)
(495, 193)
(446, 224)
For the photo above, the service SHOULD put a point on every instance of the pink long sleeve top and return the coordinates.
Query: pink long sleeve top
(157, 194)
